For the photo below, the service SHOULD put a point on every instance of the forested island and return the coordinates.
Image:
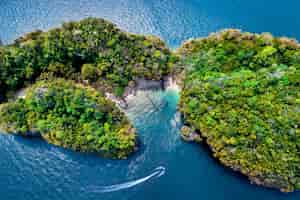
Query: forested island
(92, 49)
(72, 116)
(92, 53)
(239, 93)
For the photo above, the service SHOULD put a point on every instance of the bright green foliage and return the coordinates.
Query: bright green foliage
(89, 71)
(93, 51)
(72, 116)
(118, 57)
(242, 93)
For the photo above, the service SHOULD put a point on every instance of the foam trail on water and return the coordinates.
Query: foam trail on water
(158, 172)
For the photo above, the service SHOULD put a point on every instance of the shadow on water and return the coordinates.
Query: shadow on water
(31, 169)
(164, 167)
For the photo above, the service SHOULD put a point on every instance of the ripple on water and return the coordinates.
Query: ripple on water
(32, 169)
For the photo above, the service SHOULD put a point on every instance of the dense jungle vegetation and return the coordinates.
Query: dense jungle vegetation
(72, 116)
(91, 49)
(94, 52)
(241, 92)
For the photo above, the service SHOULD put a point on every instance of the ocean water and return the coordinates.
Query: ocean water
(165, 167)
(173, 20)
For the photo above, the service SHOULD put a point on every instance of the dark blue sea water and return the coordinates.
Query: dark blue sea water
(165, 167)
(173, 20)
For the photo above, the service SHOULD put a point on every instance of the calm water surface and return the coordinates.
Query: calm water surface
(165, 167)
(173, 20)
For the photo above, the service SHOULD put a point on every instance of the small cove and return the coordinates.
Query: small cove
(164, 166)
(32, 169)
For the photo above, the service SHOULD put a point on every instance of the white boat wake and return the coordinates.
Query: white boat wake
(158, 172)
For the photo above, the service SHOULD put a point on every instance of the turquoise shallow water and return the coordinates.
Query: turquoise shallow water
(164, 167)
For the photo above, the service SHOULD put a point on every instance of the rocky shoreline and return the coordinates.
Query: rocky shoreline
(188, 133)
(243, 138)
(141, 84)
